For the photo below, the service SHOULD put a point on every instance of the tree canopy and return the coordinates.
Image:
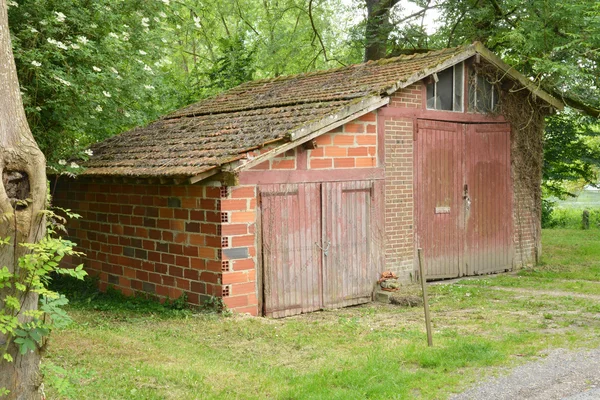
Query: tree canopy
(91, 69)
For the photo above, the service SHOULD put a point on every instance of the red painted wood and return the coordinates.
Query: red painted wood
(322, 175)
(322, 244)
(463, 232)
(438, 202)
(291, 262)
(436, 115)
(488, 222)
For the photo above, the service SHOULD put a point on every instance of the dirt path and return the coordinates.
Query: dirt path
(562, 374)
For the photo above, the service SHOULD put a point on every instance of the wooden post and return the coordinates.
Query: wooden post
(585, 219)
(425, 303)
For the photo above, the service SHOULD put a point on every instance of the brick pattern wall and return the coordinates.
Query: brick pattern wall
(526, 222)
(399, 203)
(162, 240)
(353, 145)
(238, 240)
(285, 161)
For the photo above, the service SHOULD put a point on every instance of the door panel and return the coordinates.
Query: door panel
(488, 238)
(349, 270)
(438, 191)
(290, 227)
(463, 198)
(321, 247)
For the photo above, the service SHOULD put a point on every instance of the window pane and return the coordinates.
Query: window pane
(458, 87)
(445, 87)
(431, 95)
(472, 90)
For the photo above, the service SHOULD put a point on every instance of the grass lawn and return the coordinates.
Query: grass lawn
(139, 350)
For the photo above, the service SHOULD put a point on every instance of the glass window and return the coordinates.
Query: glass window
(447, 93)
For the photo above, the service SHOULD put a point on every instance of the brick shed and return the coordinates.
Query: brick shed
(293, 194)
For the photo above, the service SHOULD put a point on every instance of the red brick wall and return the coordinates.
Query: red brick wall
(156, 239)
(353, 145)
(399, 206)
(238, 211)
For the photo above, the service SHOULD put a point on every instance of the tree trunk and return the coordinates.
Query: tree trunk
(378, 28)
(22, 197)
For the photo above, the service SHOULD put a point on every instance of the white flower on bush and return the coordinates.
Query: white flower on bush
(105, 93)
(147, 68)
(57, 43)
(96, 68)
(166, 2)
(149, 87)
(11, 3)
(197, 22)
(43, 22)
(93, 26)
(145, 22)
(62, 162)
(113, 35)
(33, 30)
(98, 108)
(125, 36)
(75, 46)
(114, 70)
(82, 39)
(162, 13)
(126, 113)
(38, 108)
(74, 165)
(36, 63)
(60, 17)
(142, 52)
(89, 152)
(61, 80)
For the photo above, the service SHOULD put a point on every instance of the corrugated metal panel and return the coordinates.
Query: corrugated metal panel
(291, 225)
(488, 236)
(321, 245)
(438, 205)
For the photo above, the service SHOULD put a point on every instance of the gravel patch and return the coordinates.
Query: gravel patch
(562, 374)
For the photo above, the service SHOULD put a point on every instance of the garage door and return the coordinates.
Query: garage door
(320, 245)
(463, 198)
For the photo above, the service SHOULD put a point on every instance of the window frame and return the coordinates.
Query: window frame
(454, 93)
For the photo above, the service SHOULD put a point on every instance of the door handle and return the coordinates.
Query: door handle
(466, 197)
(326, 249)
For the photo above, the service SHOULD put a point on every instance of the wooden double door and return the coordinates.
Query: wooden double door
(463, 198)
(320, 245)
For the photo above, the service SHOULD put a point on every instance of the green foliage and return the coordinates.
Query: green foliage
(89, 70)
(568, 154)
(27, 328)
(570, 218)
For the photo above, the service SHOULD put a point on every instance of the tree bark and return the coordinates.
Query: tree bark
(22, 198)
(378, 28)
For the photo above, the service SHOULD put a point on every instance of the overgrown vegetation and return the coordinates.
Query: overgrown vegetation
(370, 351)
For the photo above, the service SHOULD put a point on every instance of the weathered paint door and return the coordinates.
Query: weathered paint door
(488, 213)
(439, 203)
(319, 245)
(463, 199)
(290, 227)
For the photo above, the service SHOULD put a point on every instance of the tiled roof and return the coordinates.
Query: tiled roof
(221, 129)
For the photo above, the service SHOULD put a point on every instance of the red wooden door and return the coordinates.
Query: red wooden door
(488, 212)
(290, 227)
(438, 197)
(350, 267)
(463, 198)
(319, 245)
